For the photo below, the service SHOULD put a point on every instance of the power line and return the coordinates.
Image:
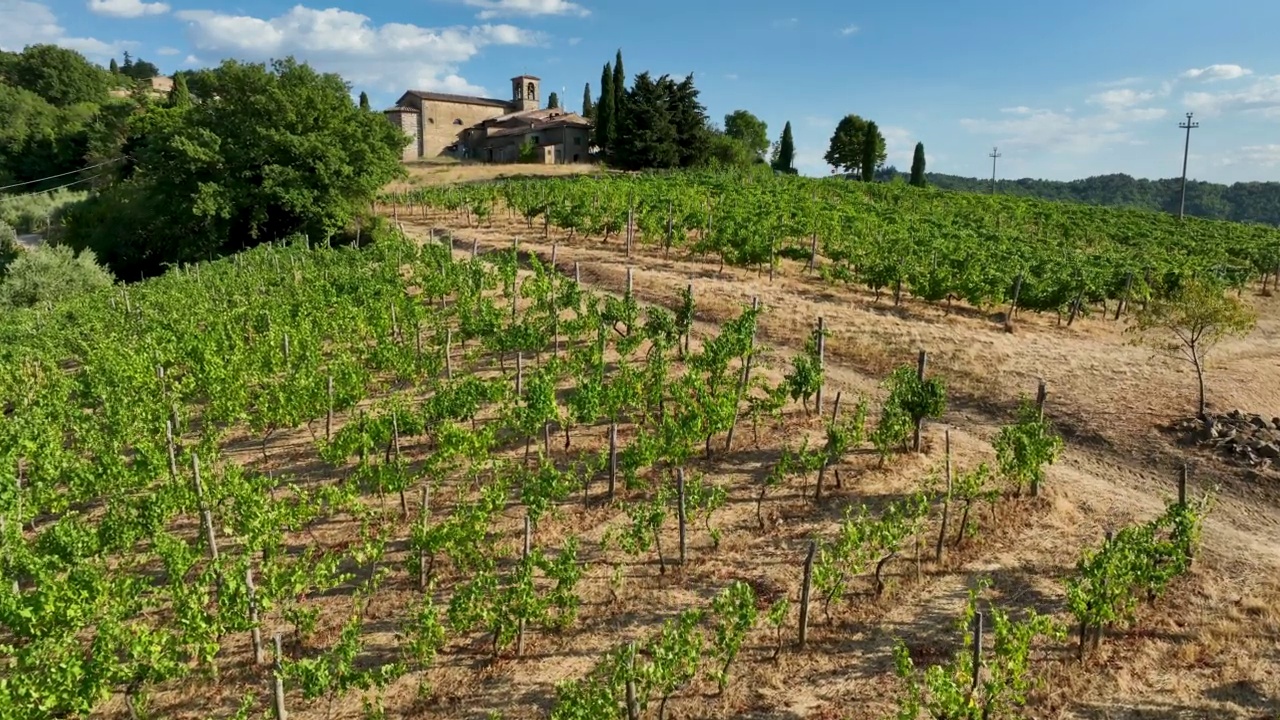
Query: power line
(1186, 150)
(50, 190)
(73, 172)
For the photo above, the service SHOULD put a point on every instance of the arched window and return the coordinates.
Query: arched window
(532, 92)
(458, 121)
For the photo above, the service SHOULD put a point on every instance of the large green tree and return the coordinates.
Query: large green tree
(619, 91)
(748, 129)
(647, 135)
(604, 112)
(666, 126)
(215, 177)
(784, 157)
(872, 151)
(917, 166)
(364, 99)
(62, 77)
(588, 107)
(846, 148)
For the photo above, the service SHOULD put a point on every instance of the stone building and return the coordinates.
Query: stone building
(487, 129)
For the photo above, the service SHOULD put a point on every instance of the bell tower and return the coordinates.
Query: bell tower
(526, 92)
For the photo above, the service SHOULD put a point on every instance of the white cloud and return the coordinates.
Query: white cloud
(1064, 132)
(731, 76)
(23, 22)
(127, 8)
(785, 22)
(1112, 117)
(1267, 156)
(1121, 99)
(391, 58)
(575, 40)
(848, 30)
(192, 61)
(1216, 72)
(490, 9)
(1122, 82)
(168, 51)
(1261, 96)
(899, 146)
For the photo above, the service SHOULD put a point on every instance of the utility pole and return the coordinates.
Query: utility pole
(1186, 150)
(995, 153)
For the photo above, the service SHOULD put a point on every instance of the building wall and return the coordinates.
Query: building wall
(440, 126)
(407, 122)
(570, 141)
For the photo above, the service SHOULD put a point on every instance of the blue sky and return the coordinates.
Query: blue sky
(1065, 89)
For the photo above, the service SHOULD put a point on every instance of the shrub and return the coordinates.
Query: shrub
(34, 213)
(528, 152)
(8, 247)
(51, 273)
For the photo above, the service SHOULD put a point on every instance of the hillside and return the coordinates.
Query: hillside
(1241, 202)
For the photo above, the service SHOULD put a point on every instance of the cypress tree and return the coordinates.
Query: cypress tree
(917, 166)
(870, 144)
(786, 151)
(553, 101)
(619, 96)
(588, 109)
(114, 67)
(604, 111)
(179, 96)
(364, 100)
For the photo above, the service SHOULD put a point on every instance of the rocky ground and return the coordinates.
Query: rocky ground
(1242, 438)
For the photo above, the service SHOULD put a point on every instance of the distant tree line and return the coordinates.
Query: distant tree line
(1257, 202)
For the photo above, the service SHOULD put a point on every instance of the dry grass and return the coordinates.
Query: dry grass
(1210, 649)
(431, 172)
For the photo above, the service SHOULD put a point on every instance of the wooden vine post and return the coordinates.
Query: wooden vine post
(921, 365)
(555, 301)
(1042, 394)
(613, 459)
(826, 460)
(805, 587)
(424, 517)
(1124, 297)
(328, 418)
(448, 354)
(173, 453)
(277, 687)
(977, 651)
(822, 364)
(524, 556)
(1013, 306)
(681, 512)
(946, 501)
(255, 632)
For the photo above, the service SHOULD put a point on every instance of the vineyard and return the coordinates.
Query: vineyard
(422, 478)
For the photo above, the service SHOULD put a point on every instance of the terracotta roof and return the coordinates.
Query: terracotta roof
(401, 108)
(464, 99)
(540, 127)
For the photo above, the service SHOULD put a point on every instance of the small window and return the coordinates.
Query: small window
(577, 139)
(431, 121)
(535, 140)
(458, 121)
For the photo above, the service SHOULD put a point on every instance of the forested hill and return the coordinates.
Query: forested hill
(1242, 202)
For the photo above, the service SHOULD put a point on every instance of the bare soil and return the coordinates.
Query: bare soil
(1208, 649)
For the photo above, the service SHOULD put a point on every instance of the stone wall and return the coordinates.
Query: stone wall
(407, 122)
(443, 122)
